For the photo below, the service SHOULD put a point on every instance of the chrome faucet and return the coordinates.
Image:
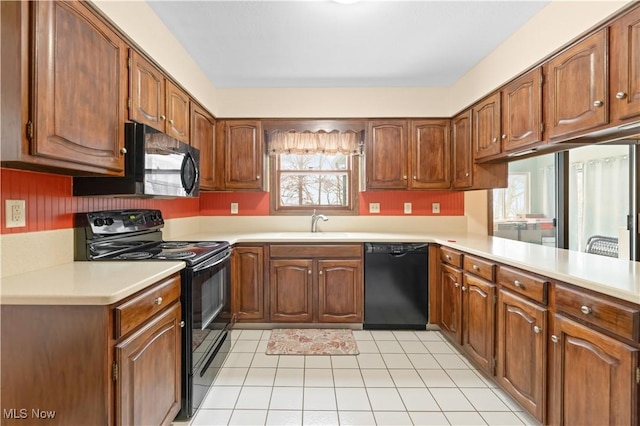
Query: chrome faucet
(314, 220)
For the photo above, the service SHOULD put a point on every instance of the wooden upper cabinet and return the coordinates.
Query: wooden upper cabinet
(155, 100)
(386, 154)
(461, 150)
(80, 87)
(625, 67)
(486, 127)
(576, 89)
(522, 112)
(203, 137)
(244, 152)
(429, 149)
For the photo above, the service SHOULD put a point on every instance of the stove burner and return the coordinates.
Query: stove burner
(206, 244)
(176, 255)
(134, 255)
(173, 245)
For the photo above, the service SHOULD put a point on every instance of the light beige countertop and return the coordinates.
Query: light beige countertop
(83, 283)
(615, 277)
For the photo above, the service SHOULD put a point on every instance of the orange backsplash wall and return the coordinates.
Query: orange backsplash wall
(50, 203)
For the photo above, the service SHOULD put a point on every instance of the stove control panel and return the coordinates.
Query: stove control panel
(114, 222)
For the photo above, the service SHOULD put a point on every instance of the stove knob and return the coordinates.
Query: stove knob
(108, 221)
(99, 222)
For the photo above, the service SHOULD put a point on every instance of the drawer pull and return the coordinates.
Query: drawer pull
(536, 329)
(476, 268)
(448, 257)
(158, 301)
(517, 283)
(585, 309)
(554, 338)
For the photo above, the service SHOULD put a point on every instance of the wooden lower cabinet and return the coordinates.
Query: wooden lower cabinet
(450, 302)
(291, 290)
(521, 366)
(593, 377)
(478, 320)
(148, 385)
(248, 283)
(339, 290)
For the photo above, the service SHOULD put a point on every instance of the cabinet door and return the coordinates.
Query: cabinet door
(521, 366)
(147, 90)
(339, 290)
(461, 150)
(203, 137)
(177, 109)
(478, 320)
(247, 283)
(291, 290)
(486, 127)
(429, 152)
(387, 154)
(625, 66)
(148, 384)
(522, 112)
(243, 155)
(577, 87)
(450, 302)
(593, 380)
(80, 87)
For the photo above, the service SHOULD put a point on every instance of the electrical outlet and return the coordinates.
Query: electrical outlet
(374, 207)
(407, 208)
(15, 213)
(435, 208)
(234, 208)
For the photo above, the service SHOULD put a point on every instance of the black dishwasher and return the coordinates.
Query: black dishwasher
(396, 286)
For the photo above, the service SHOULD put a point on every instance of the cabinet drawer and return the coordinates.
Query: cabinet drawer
(618, 318)
(451, 257)
(300, 251)
(480, 267)
(528, 285)
(146, 304)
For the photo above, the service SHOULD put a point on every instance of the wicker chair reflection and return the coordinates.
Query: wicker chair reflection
(604, 246)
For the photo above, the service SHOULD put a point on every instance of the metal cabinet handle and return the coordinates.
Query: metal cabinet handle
(123, 150)
(456, 285)
(504, 136)
(181, 324)
(598, 104)
(494, 140)
(517, 283)
(171, 122)
(162, 117)
(448, 257)
(415, 178)
(404, 177)
(536, 329)
(621, 95)
(554, 338)
(476, 268)
(585, 309)
(466, 174)
(158, 301)
(319, 272)
(309, 272)
(258, 177)
(464, 288)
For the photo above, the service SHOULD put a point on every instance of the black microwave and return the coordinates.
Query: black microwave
(156, 165)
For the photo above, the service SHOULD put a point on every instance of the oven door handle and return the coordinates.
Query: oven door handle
(213, 262)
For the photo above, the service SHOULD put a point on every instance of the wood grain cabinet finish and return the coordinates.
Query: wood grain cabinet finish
(522, 112)
(429, 149)
(80, 86)
(592, 377)
(577, 88)
(243, 154)
(486, 127)
(451, 302)
(156, 101)
(203, 137)
(386, 154)
(462, 151)
(248, 284)
(478, 320)
(624, 89)
(339, 290)
(521, 362)
(291, 288)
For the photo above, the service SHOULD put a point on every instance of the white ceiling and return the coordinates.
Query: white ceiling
(259, 43)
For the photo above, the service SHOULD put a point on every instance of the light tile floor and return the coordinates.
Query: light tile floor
(399, 378)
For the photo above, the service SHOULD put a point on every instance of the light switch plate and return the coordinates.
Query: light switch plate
(234, 208)
(15, 213)
(407, 208)
(435, 208)
(374, 207)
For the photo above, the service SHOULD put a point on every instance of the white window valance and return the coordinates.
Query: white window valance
(321, 142)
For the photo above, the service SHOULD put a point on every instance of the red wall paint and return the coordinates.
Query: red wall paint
(50, 203)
